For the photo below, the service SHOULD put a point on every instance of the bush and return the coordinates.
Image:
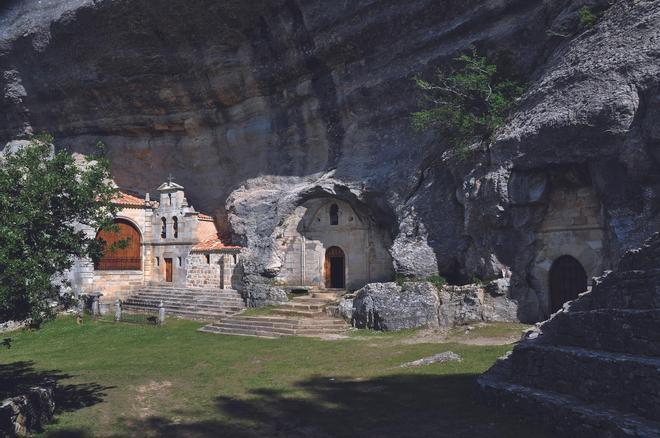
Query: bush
(467, 103)
(587, 17)
(437, 281)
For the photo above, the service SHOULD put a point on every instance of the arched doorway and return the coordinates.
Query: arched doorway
(335, 268)
(122, 248)
(567, 279)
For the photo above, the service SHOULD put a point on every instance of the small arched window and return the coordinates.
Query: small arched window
(175, 226)
(334, 214)
(169, 197)
(163, 228)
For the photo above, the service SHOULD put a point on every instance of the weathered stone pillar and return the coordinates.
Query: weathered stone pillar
(117, 310)
(96, 305)
(161, 313)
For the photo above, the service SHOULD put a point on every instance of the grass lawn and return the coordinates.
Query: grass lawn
(131, 380)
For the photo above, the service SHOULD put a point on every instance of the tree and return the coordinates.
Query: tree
(45, 197)
(467, 103)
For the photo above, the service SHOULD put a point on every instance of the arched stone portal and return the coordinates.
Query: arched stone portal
(572, 227)
(324, 229)
(568, 279)
(335, 268)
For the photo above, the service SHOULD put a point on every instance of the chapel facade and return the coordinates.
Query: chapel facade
(329, 244)
(164, 242)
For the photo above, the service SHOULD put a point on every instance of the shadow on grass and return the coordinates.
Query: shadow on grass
(17, 377)
(392, 406)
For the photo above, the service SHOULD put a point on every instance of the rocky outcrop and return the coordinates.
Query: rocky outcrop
(257, 106)
(608, 339)
(27, 413)
(586, 119)
(388, 306)
(261, 295)
(462, 305)
(391, 306)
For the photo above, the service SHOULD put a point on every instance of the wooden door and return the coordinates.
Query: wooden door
(334, 268)
(168, 270)
(568, 279)
(122, 249)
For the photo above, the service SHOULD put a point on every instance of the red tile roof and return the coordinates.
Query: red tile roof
(214, 243)
(205, 217)
(128, 200)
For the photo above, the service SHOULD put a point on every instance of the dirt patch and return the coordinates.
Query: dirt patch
(148, 396)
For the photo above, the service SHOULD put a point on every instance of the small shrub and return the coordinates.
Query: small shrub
(587, 17)
(467, 103)
(437, 280)
(401, 279)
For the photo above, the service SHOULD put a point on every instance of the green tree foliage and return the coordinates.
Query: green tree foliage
(43, 199)
(467, 103)
(587, 17)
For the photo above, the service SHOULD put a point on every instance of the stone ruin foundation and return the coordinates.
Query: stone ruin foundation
(592, 369)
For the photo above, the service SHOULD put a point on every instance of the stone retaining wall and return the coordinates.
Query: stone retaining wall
(23, 414)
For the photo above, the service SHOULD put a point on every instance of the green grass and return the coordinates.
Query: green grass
(366, 333)
(132, 380)
(259, 311)
(491, 330)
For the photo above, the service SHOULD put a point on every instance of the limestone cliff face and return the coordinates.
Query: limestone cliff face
(257, 106)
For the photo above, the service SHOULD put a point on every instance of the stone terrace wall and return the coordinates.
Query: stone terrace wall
(592, 369)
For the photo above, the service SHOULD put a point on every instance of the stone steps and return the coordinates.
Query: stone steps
(177, 300)
(209, 295)
(299, 313)
(629, 331)
(194, 315)
(197, 304)
(248, 332)
(622, 381)
(632, 289)
(275, 327)
(302, 316)
(566, 414)
(592, 369)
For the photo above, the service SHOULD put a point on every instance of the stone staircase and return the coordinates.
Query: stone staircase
(190, 303)
(592, 369)
(302, 316)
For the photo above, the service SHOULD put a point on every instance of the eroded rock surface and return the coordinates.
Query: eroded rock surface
(389, 307)
(474, 303)
(255, 107)
(261, 295)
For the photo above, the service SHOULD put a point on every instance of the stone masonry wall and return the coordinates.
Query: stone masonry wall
(572, 226)
(219, 272)
(203, 274)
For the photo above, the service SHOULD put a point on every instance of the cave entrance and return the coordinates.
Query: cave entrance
(568, 279)
(335, 268)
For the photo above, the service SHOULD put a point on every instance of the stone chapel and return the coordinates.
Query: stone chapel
(168, 243)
